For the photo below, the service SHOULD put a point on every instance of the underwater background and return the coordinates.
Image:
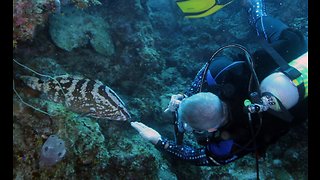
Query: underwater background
(145, 51)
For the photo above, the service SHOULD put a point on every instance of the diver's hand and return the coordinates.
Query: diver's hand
(174, 102)
(146, 132)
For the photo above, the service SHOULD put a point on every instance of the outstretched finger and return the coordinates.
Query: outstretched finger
(136, 125)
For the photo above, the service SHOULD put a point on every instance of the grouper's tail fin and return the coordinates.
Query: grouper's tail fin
(35, 82)
(32, 82)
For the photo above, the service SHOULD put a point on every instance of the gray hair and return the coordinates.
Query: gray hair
(202, 111)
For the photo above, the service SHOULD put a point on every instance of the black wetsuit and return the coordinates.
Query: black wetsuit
(232, 87)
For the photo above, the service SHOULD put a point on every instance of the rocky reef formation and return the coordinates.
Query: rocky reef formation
(29, 14)
(109, 150)
(76, 28)
(145, 51)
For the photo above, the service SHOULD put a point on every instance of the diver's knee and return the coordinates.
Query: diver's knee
(294, 36)
(296, 43)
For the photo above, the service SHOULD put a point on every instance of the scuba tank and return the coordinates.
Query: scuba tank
(287, 90)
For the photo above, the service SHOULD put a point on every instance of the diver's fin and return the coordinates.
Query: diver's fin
(192, 9)
(195, 6)
(209, 12)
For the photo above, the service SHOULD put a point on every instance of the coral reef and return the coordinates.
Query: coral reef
(28, 14)
(76, 28)
(83, 140)
(110, 151)
(84, 3)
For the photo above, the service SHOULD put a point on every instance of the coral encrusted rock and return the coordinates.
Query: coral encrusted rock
(74, 28)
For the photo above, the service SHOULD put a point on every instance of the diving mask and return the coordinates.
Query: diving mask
(183, 126)
(202, 136)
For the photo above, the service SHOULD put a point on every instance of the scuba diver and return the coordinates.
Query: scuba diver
(229, 112)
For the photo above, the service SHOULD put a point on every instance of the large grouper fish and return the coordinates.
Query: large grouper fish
(81, 95)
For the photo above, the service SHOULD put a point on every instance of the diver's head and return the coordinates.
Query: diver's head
(203, 111)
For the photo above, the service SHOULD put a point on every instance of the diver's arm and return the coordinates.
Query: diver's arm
(196, 156)
(183, 152)
(212, 155)
(195, 86)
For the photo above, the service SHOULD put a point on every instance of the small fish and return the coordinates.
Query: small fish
(81, 95)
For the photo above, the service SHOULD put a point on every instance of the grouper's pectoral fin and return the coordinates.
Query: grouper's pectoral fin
(90, 113)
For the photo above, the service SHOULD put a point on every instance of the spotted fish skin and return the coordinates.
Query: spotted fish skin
(82, 95)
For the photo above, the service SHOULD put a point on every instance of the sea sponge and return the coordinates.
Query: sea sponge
(52, 151)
